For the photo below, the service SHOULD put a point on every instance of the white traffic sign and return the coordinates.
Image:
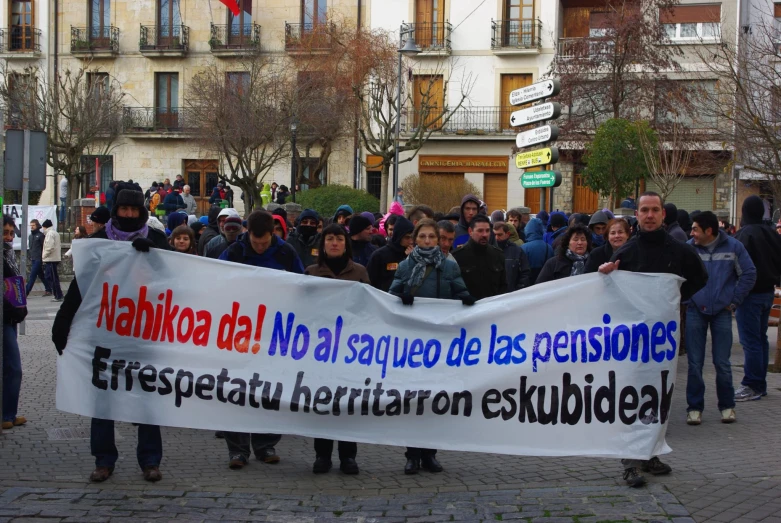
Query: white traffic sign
(542, 134)
(534, 92)
(536, 113)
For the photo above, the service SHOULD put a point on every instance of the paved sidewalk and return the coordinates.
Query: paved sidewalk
(720, 472)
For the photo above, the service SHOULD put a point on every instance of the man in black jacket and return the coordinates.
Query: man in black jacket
(211, 230)
(35, 252)
(127, 223)
(360, 239)
(384, 262)
(304, 239)
(764, 246)
(482, 264)
(516, 264)
(654, 250)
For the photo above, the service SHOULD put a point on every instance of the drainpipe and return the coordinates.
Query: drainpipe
(356, 145)
(56, 189)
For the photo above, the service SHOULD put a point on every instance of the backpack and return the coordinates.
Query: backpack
(155, 201)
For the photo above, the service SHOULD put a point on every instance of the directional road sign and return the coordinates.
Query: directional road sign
(537, 179)
(534, 92)
(537, 157)
(542, 134)
(537, 113)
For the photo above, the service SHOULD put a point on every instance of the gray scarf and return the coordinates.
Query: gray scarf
(578, 262)
(423, 258)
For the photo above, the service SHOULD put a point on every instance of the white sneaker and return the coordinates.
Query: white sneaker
(728, 416)
(693, 417)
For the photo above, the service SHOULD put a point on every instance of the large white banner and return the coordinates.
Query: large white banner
(582, 366)
(34, 212)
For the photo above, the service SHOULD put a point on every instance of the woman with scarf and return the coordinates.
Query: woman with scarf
(335, 261)
(128, 223)
(571, 255)
(13, 315)
(427, 273)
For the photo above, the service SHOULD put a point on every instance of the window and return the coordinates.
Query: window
(100, 19)
(693, 109)
(777, 20)
(374, 183)
(237, 82)
(98, 85)
(22, 25)
(313, 13)
(21, 103)
(519, 24)
(240, 26)
(167, 100)
(169, 20)
(106, 166)
(692, 22)
(310, 164)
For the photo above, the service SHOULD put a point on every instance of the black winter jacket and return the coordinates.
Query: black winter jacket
(555, 268)
(598, 256)
(516, 266)
(764, 246)
(35, 245)
(306, 250)
(385, 260)
(658, 252)
(482, 268)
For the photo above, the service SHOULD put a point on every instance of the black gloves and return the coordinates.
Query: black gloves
(59, 346)
(468, 300)
(407, 299)
(143, 244)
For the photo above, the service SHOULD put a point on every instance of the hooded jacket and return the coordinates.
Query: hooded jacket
(597, 240)
(279, 255)
(514, 237)
(677, 232)
(173, 202)
(551, 237)
(52, 251)
(395, 208)
(210, 231)
(385, 261)
(535, 248)
(462, 227)
(763, 245)
(282, 224)
(731, 275)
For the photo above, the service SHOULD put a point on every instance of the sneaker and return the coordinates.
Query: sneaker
(57, 299)
(237, 462)
(656, 467)
(746, 394)
(728, 416)
(633, 478)
(693, 417)
(267, 455)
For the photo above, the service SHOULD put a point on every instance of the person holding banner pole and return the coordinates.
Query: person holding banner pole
(334, 260)
(654, 250)
(428, 274)
(127, 223)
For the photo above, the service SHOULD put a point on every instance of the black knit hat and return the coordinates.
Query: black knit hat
(47, 224)
(127, 195)
(753, 210)
(358, 224)
(100, 215)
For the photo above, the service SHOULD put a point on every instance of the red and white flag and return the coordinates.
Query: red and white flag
(233, 5)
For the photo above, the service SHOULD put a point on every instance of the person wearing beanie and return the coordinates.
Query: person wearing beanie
(654, 250)
(215, 217)
(674, 229)
(280, 227)
(557, 222)
(230, 229)
(127, 224)
(304, 238)
(764, 247)
(280, 211)
(360, 239)
(51, 257)
(176, 219)
(685, 222)
(598, 225)
(369, 216)
(385, 261)
(197, 228)
(343, 214)
(99, 218)
(497, 217)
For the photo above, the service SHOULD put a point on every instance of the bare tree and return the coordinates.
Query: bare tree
(243, 116)
(81, 113)
(667, 159)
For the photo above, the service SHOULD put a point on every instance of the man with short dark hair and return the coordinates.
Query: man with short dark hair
(731, 275)
(35, 252)
(258, 247)
(385, 261)
(419, 212)
(447, 235)
(482, 264)
(516, 265)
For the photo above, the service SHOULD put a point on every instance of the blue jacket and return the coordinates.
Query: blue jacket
(537, 251)
(451, 284)
(551, 237)
(731, 275)
(279, 255)
(173, 202)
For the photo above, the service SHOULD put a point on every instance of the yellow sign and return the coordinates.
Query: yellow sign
(546, 156)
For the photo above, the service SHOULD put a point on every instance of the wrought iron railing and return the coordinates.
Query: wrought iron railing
(429, 36)
(584, 48)
(88, 39)
(238, 37)
(516, 34)
(154, 120)
(20, 39)
(307, 36)
(164, 38)
(467, 121)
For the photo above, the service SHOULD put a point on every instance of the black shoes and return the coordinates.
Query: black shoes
(430, 463)
(656, 467)
(322, 465)
(412, 466)
(349, 466)
(633, 478)
(268, 455)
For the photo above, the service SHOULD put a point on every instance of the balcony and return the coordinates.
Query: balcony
(162, 41)
(488, 121)
(95, 42)
(151, 122)
(234, 40)
(596, 48)
(431, 38)
(516, 36)
(20, 42)
(308, 38)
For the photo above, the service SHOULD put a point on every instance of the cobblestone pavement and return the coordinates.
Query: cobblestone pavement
(720, 472)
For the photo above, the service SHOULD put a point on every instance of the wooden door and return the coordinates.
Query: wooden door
(511, 82)
(202, 177)
(584, 199)
(531, 199)
(495, 192)
(429, 90)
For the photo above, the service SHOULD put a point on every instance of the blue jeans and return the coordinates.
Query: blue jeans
(752, 316)
(62, 210)
(50, 270)
(12, 372)
(36, 271)
(149, 451)
(721, 338)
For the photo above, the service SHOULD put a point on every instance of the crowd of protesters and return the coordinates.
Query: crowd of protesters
(466, 255)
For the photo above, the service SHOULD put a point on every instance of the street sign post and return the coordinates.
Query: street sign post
(533, 92)
(546, 156)
(546, 133)
(539, 179)
(536, 113)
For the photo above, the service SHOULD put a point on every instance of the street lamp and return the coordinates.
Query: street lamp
(409, 49)
(293, 131)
